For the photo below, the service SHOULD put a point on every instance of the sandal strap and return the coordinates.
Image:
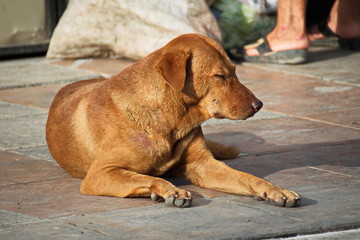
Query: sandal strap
(264, 46)
(261, 45)
(325, 30)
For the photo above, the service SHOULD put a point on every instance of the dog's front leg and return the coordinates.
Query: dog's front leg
(114, 181)
(203, 170)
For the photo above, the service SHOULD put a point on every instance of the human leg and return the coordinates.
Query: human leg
(290, 30)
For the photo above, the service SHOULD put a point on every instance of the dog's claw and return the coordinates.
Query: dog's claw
(259, 198)
(294, 203)
(280, 203)
(180, 202)
(170, 201)
(188, 202)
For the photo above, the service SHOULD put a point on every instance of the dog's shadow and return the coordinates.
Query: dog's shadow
(264, 159)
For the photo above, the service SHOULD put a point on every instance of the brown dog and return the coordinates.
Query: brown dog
(122, 134)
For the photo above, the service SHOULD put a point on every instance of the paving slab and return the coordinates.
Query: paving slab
(37, 71)
(20, 169)
(38, 97)
(39, 152)
(8, 218)
(11, 110)
(23, 132)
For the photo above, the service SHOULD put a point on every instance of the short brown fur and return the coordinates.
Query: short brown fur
(122, 134)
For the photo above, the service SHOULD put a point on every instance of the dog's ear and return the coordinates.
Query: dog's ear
(172, 66)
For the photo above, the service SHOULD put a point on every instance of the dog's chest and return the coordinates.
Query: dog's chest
(162, 152)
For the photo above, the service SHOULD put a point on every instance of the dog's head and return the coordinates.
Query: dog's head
(198, 67)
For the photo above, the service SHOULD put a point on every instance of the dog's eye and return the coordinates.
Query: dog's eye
(220, 76)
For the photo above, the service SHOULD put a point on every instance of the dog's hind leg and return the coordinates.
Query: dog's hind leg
(118, 182)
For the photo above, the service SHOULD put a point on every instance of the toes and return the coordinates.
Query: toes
(177, 198)
(294, 202)
(279, 202)
(282, 198)
(187, 203)
(293, 199)
(285, 202)
(177, 201)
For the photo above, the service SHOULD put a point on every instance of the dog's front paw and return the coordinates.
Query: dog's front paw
(178, 198)
(280, 197)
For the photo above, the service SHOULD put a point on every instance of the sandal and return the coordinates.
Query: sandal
(293, 56)
(347, 43)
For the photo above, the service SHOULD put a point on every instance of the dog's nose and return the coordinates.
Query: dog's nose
(257, 106)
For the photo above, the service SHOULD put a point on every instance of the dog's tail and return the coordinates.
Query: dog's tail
(222, 152)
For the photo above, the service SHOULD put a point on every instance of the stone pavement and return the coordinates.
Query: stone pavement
(306, 138)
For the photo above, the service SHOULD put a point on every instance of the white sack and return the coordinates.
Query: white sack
(127, 28)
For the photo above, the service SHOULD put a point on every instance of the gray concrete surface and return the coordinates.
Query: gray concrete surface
(37, 71)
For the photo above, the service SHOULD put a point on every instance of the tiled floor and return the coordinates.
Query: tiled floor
(310, 142)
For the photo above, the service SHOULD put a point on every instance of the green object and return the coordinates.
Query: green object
(239, 23)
